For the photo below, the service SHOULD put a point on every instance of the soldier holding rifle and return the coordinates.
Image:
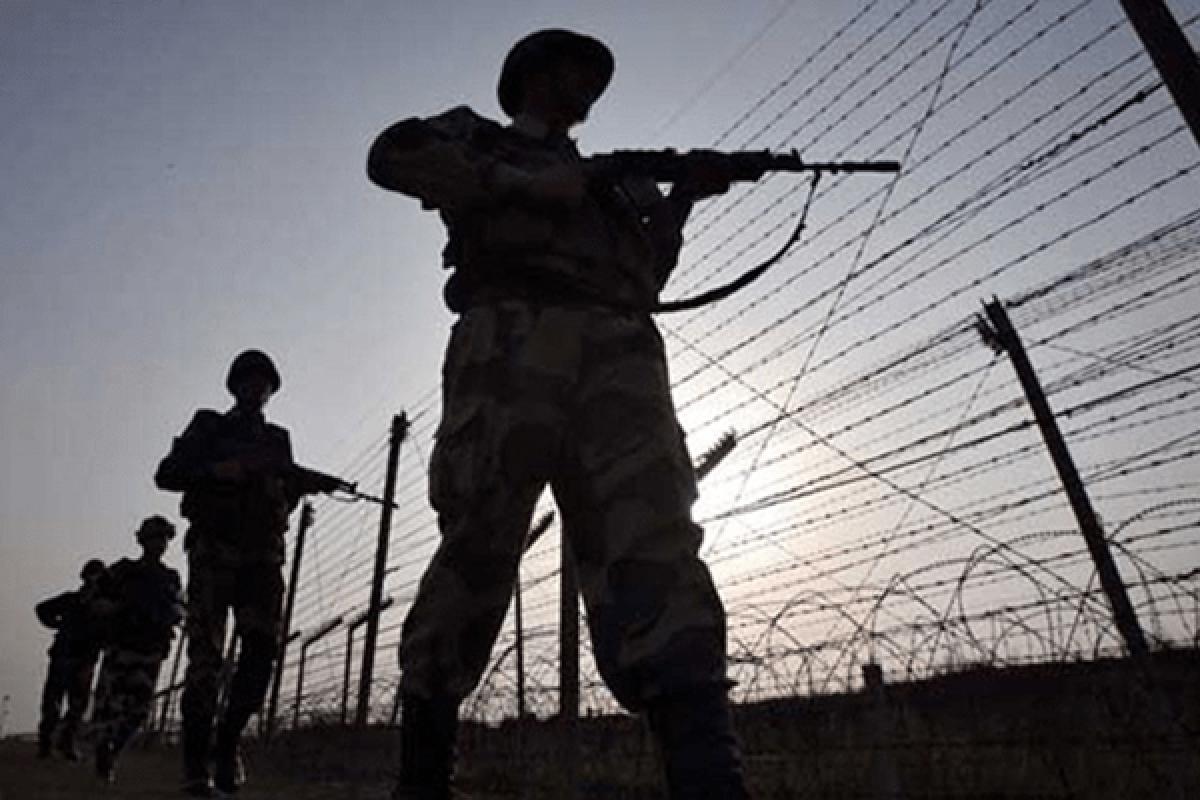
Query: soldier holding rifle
(555, 374)
(239, 486)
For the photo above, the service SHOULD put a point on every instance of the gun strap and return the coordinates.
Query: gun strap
(750, 275)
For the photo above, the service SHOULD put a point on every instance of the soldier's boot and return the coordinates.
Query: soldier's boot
(229, 771)
(66, 744)
(45, 737)
(198, 788)
(700, 752)
(106, 761)
(428, 729)
(197, 733)
(246, 693)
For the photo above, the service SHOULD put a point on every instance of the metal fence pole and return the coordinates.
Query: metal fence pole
(399, 431)
(326, 629)
(1171, 53)
(1110, 578)
(285, 636)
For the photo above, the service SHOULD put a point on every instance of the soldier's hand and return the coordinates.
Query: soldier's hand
(706, 177)
(331, 483)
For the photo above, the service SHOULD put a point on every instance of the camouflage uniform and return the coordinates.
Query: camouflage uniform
(148, 604)
(555, 374)
(553, 377)
(72, 666)
(235, 547)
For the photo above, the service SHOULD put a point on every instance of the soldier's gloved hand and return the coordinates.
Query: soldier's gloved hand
(331, 483)
(705, 178)
(559, 185)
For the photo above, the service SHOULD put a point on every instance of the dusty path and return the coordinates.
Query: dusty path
(147, 775)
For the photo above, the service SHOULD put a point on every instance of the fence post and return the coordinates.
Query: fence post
(886, 784)
(1110, 579)
(1171, 53)
(326, 629)
(399, 431)
(285, 636)
(351, 627)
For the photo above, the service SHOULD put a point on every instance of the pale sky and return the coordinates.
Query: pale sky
(184, 179)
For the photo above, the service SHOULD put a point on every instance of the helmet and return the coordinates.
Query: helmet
(94, 566)
(543, 48)
(249, 361)
(155, 526)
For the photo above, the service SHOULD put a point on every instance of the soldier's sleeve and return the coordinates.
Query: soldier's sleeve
(663, 220)
(50, 612)
(293, 488)
(437, 160)
(188, 462)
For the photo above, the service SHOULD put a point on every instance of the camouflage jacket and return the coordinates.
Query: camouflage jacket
(241, 520)
(72, 615)
(147, 600)
(616, 248)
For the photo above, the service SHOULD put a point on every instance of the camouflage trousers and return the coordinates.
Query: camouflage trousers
(67, 676)
(124, 693)
(577, 399)
(253, 591)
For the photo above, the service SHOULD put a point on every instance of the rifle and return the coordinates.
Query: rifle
(669, 166)
(310, 481)
(304, 480)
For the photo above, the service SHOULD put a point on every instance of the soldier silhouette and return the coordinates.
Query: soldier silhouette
(239, 486)
(553, 377)
(143, 604)
(73, 617)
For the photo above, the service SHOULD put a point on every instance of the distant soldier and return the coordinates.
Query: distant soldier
(72, 615)
(144, 600)
(556, 374)
(239, 487)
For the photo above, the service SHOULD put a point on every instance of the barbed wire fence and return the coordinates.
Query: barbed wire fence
(889, 503)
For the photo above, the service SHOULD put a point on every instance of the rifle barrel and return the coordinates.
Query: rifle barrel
(853, 166)
(746, 165)
(766, 161)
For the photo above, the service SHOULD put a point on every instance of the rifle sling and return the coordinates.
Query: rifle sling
(747, 277)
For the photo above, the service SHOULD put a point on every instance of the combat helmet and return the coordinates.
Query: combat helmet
(249, 361)
(544, 47)
(93, 566)
(155, 526)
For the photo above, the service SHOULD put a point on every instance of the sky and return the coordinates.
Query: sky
(184, 180)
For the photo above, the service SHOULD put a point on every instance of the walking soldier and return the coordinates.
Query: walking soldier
(72, 615)
(239, 487)
(144, 605)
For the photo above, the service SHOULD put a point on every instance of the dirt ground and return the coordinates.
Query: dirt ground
(152, 773)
